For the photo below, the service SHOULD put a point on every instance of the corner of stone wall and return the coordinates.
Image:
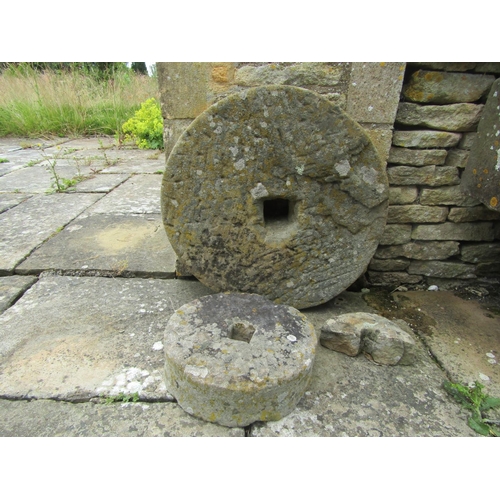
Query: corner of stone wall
(435, 233)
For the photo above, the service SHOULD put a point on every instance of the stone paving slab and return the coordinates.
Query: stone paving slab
(11, 287)
(462, 334)
(45, 418)
(354, 397)
(138, 195)
(101, 183)
(125, 245)
(29, 224)
(10, 200)
(92, 337)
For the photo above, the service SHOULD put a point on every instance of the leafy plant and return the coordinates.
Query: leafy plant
(61, 184)
(479, 403)
(122, 398)
(4, 160)
(146, 126)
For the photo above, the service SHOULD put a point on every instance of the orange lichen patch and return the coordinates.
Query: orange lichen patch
(474, 171)
(485, 171)
(433, 76)
(220, 74)
(479, 185)
(493, 202)
(382, 64)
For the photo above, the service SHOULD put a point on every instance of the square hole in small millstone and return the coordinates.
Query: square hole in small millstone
(276, 210)
(242, 331)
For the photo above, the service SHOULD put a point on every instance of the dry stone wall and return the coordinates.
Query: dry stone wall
(423, 130)
(435, 233)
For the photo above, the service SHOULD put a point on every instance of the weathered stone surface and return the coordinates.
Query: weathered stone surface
(384, 341)
(425, 139)
(487, 67)
(11, 287)
(462, 117)
(446, 66)
(466, 231)
(381, 136)
(423, 176)
(396, 234)
(238, 358)
(389, 265)
(417, 157)
(10, 200)
(74, 338)
(481, 178)
(436, 250)
(448, 195)
(416, 213)
(402, 195)
(184, 88)
(138, 195)
(172, 130)
(288, 199)
(471, 214)
(374, 91)
(442, 269)
(467, 140)
(392, 278)
(103, 183)
(446, 88)
(481, 252)
(300, 74)
(47, 418)
(113, 245)
(29, 224)
(457, 158)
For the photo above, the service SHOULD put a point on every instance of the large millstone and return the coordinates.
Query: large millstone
(278, 192)
(238, 358)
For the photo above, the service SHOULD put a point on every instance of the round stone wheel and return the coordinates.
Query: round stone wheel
(275, 191)
(234, 359)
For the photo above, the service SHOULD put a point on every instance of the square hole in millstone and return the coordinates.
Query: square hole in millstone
(242, 331)
(278, 210)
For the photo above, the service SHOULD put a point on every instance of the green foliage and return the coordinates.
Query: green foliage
(122, 398)
(4, 160)
(145, 128)
(473, 399)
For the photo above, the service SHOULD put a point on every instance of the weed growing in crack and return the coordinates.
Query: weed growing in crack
(479, 403)
(122, 398)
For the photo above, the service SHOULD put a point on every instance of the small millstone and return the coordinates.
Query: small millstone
(235, 359)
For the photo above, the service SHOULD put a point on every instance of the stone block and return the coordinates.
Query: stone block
(423, 176)
(172, 130)
(464, 231)
(461, 117)
(416, 214)
(457, 158)
(374, 91)
(396, 234)
(11, 288)
(184, 88)
(385, 342)
(467, 140)
(436, 87)
(401, 195)
(471, 214)
(10, 200)
(388, 265)
(487, 67)
(303, 74)
(446, 66)
(442, 269)
(287, 190)
(435, 250)
(425, 139)
(448, 195)
(237, 358)
(417, 157)
(480, 252)
(392, 278)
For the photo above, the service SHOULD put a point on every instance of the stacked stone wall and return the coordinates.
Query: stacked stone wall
(435, 233)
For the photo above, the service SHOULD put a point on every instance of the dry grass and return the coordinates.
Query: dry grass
(69, 103)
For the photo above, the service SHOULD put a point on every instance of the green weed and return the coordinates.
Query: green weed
(145, 128)
(122, 398)
(4, 160)
(479, 403)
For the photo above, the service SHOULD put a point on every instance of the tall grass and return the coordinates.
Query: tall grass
(69, 103)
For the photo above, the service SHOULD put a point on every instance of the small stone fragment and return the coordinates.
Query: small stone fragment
(383, 341)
